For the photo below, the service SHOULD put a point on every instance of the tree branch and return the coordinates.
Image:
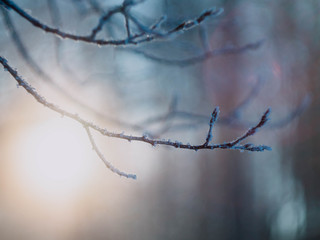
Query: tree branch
(87, 125)
(108, 164)
(213, 119)
(147, 34)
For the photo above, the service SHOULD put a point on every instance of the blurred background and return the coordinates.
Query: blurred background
(53, 186)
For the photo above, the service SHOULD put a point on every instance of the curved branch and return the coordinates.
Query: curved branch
(87, 125)
(31, 90)
(107, 163)
(145, 36)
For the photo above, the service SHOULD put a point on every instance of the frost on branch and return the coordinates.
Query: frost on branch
(235, 144)
(137, 32)
(145, 34)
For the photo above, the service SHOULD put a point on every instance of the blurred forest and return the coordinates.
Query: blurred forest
(263, 54)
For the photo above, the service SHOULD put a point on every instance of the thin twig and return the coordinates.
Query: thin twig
(127, 26)
(213, 119)
(103, 20)
(252, 130)
(107, 163)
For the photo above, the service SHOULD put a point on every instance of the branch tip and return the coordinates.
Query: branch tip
(214, 117)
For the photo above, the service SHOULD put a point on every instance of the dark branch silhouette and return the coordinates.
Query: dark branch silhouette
(154, 142)
(230, 119)
(147, 34)
(136, 33)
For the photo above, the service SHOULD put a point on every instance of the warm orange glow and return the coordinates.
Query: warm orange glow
(54, 160)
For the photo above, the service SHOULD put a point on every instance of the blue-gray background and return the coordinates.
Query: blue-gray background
(221, 194)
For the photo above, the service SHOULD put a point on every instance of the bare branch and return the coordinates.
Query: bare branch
(173, 113)
(192, 23)
(252, 130)
(105, 132)
(213, 119)
(87, 125)
(107, 163)
(128, 27)
(45, 77)
(103, 20)
(145, 36)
